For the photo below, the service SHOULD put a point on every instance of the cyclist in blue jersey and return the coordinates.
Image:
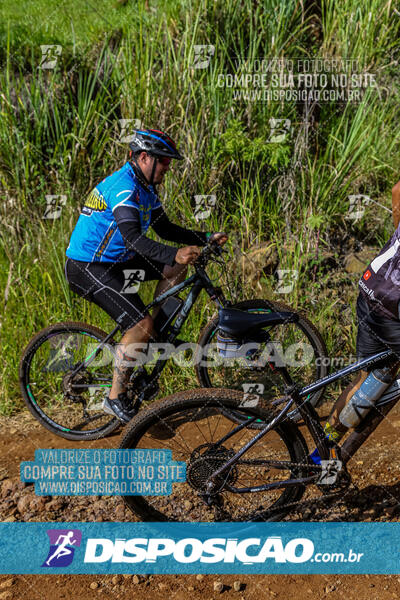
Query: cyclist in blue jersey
(110, 239)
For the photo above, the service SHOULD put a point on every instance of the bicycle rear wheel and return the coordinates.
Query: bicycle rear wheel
(189, 424)
(299, 344)
(69, 406)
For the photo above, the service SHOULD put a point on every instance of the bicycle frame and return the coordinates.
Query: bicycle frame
(197, 282)
(388, 399)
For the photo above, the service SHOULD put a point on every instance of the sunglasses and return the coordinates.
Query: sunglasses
(164, 160)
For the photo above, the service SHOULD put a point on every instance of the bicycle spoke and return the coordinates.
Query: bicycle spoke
(193, 439)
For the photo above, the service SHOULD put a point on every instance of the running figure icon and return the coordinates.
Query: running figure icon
(63, 543)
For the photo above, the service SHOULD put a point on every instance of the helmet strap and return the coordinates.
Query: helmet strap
(139, 172)
(142, 178)
(155, 159)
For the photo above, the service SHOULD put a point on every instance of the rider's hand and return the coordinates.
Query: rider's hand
(187, 255)
(220, 237)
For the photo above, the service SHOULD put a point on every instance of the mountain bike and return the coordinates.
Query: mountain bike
(235, 473)
(66, 370)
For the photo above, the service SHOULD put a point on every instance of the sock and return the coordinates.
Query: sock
(332, 435)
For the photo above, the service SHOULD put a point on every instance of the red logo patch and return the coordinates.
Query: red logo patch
(367, 275)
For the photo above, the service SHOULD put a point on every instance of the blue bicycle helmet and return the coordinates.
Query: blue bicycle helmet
(155, 142)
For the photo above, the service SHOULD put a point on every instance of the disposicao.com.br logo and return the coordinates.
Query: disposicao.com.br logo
(212, 550)
(62, 547)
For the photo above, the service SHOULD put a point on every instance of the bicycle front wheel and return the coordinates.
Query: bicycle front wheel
(190, 424)
(66, 404)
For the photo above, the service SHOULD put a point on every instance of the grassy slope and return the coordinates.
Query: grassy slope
(59, 133)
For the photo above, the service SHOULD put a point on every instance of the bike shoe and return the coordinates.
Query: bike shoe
(119, 407)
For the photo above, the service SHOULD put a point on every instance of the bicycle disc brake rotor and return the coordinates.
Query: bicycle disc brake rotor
(206, 459)
(71, 392)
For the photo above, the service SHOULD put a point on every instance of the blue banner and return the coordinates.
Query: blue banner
(184, 548)
(103, 472)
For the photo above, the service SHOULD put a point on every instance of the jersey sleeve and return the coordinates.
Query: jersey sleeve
(175, 233)
(128, 221)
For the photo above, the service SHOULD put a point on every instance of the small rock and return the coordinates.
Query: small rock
(237, 586)
(23, 503)
(94, 585)
(54, 504)
(135, 579)
(330, 588)
(120, 511)
(38, 503)
(188, 505)
(162, 586)
(190, 588)
(6, 583)
(10, 520)
(357, 262)
(218, 586)
(200, 577)
(7, 486)
(116, 579)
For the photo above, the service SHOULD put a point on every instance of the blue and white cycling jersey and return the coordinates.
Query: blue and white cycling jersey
(96, 237)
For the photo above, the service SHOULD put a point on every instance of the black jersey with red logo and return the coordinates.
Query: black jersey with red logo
(381, 280)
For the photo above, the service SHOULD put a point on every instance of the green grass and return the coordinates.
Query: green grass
(60, 134)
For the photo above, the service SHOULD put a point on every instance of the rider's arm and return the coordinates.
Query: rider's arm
(128, 221)
(174, 233)
(396, 204)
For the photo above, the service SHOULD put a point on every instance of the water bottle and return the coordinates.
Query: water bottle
(365, 397)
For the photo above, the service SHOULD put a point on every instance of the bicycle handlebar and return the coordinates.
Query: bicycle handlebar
(210, 248)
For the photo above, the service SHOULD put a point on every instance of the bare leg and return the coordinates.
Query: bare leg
(396, 204)
(348, 393)
(344, 398)
(140, 333)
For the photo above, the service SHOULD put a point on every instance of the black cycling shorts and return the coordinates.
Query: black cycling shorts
(376, 333)
(113, 286)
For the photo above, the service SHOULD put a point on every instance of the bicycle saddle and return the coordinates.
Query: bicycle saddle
(236, 322)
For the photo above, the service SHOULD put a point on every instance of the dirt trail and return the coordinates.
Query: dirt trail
(375, 471)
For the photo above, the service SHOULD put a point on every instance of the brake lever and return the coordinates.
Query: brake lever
(210, 248)
(216, 248)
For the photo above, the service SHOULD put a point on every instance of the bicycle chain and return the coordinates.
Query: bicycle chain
(314, 502)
